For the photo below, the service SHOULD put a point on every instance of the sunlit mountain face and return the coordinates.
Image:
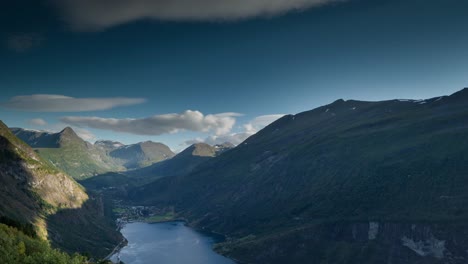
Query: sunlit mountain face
(299, 131)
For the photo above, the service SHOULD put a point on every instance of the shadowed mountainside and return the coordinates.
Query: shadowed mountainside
(31, 187)
(41, 200)
(338, 184)
(182, 163)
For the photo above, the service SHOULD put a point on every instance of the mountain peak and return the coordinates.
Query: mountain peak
(462, 91)
(67, 136)
(67, 130)
(461, 95)
(339, 101)
(200, 149)
(30, 181)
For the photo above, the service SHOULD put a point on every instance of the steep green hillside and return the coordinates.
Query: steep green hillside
(31, 187)
(37, 139)
(16, 247)
(339, 184)
(182, 163)
(47, 203)
(90, 230)
(141, 154)
(82, 160)
(69, 152)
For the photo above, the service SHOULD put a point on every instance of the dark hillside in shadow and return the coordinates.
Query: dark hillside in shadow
(88, 230)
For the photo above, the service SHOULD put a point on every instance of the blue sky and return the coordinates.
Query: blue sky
(251, 61)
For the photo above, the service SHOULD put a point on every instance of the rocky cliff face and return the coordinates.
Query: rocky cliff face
(31, 187)
(34, 193)
(360, 242)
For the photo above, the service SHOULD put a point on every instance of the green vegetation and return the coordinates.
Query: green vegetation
(89, 230)
(118, 210)
(74, 160)
(16, 247)
(160, 218)
(42, 201)
(82, 160)
(401, 162)
(141, 154)
(68, 152)
(33, 188)
(181, 164)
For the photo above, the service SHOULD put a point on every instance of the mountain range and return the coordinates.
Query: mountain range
(81, 159)
(180, 164)
(136, 155)
(185, 161)
(348, 182)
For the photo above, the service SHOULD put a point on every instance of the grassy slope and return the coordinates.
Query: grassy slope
(32, 187)
(142, 154)
(35, 192)
(69, 152)
(182, 163)
(74, 159)
(16, 247)
(348, 161)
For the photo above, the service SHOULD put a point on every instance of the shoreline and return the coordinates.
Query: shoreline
(124, 242)
(117, 249)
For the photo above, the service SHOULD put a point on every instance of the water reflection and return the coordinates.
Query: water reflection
(167, 243)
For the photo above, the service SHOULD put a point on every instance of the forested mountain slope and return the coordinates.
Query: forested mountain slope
(338, 184)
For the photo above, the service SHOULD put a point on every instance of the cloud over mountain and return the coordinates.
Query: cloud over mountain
(250, 128)
(260, 122)
(100, 14)
(219, 124)
(61, 103)
(37, 122)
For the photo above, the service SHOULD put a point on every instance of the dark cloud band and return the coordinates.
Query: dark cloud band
(100, 14)
(61, 103)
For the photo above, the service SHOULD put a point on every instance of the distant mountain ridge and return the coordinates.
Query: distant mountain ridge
(180, 164)
(81, 159)
(67, 151)
(184, 162)
(141, 154)
(341, 183)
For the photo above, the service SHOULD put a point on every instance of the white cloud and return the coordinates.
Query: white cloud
(37, 122)
(219, 124)
(100, 14)
(61, 103)
(260, 122)
(250, 129)
(85, 134)
(234, 138)
(82, 133)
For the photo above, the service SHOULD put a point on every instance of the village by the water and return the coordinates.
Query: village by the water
(138, 213)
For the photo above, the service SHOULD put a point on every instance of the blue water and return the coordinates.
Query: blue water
(167, 243)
